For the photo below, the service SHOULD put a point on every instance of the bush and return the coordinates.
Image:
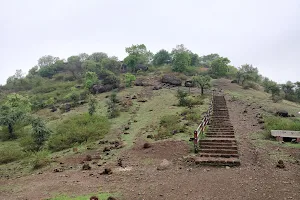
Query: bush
(40, 159)
(169, 125)
(192, 115)
(191, 71)
(181, 95)
(251, 84)
(10, 154)
(78, 129)
(276, 98)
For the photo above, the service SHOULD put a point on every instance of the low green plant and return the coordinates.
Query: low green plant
(169, 125)
(40, 159)
(279, 123)
(10, 153)
(78, 129)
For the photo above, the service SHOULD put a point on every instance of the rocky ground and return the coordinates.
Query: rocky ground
(161, 170)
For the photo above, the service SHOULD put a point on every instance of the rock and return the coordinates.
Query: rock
(146, 145)
(139, 82)
(294, 141)
(135, 121)
(53, 109)
(126, 133)
(157, 87)
(189, 84)
(260, 121)
(58, 170)
(134, 97)
(94, 198)
(86, 167)
(245, 111)
(280, 164)
(106, 149)
(282, 113)
(165, 164)
(96, 89)
(293, 115)
(126, 128)
(67, 107)
(141, 67)
(150, 136)
(227, 167)
(171, 79)
(111, 198)
(234, 81)
(120, 163)
(142, 100)
(107, 171)
(88, 158)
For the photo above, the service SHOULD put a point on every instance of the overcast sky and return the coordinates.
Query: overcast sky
(265, 33)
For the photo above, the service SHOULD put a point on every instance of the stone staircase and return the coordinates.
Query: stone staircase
(219, 147)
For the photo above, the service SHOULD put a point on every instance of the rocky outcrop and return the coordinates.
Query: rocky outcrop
(96, 89)
(171, 79)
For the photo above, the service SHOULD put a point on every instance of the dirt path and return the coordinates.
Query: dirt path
(256, 178)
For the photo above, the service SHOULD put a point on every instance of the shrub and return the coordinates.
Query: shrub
(40, 159)
(169, 125)
(192, 115)
(78, 129)
(112, 107)
(181, 95)
(251, 84)
(10, 154)
(276, 98)
(191, 71)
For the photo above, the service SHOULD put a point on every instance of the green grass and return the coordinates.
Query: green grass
(84, 197)
(279, 123)
(10, 151)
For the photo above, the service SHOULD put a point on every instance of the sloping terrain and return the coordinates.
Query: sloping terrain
(165, 169)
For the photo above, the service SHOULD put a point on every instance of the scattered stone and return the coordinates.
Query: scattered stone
(58, 170)
(134, 97)
(227, 167)
(111, 198)
(94, 198)
(126, 133)
(150, 136)
(294, 141)
(280, 164)
(245, 111)
(88, 158)
(126, 128)
(146, 145)
(165, 164)
(86, 167)
(106, 149)
(260, 121)
(135, 121)
(120, 162)
(107, 171)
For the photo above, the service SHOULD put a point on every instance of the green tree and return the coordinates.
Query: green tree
(90, 79)
(129, 78)
(112, 106)
(112, 64)
(98, 56)
(288, 89)
(206, 60)
(13, 111)
(47, 61)
(161, 57)
(74, 66)
(83, 57)
(202, 82)
(195, 60)
(249, 73)
(92, 105)
(181, 61)
(219, 67)
(40, 132)
(137, 54)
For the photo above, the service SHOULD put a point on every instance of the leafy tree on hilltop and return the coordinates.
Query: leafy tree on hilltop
(181, 61)
(161, 57)
(137, 54)
(219, 67)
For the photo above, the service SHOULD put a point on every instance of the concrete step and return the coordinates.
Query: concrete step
(219, 133)
(221, 136)
(213, 161)
(221, 146)
(221, 155)
(218, 140)
(215, 144)
(220, 151)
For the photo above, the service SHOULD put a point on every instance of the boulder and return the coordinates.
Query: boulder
(141, 67)
(189, 84)
(165, 164)
(53, 109)
(280, 164)
(138, 82)
(67, 107)
(234, 81)
(96, 89)
(282, 113)
(86, 167)
(171, 79)
(157, 87)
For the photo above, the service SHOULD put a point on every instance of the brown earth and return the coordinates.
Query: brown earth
(256, 178)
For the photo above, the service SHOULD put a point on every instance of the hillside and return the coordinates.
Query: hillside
(99, 126)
